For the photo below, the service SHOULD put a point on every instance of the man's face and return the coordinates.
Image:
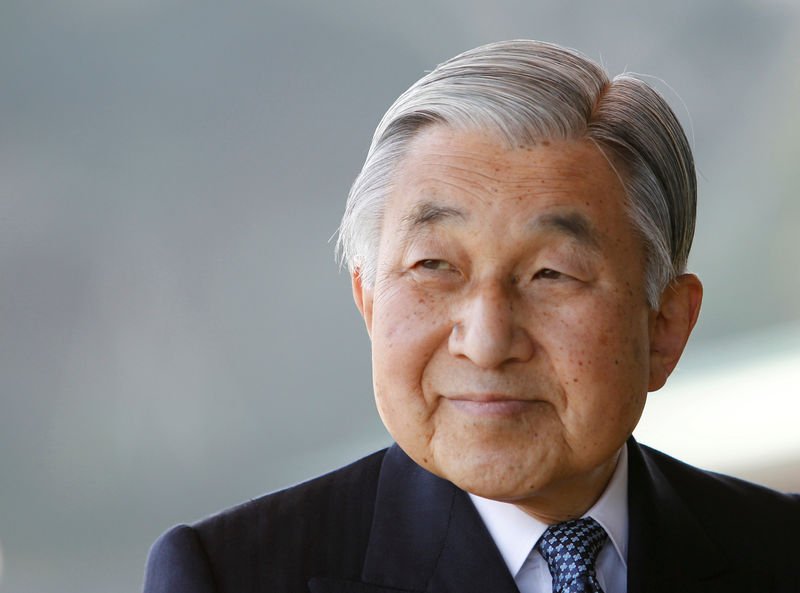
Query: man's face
(509, 324)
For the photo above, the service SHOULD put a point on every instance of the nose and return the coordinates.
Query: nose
(488, 331)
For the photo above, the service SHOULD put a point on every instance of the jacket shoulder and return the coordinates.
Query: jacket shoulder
(745, 513)
(323, 498)
(280, 540)
(695, 530)
(717, 483)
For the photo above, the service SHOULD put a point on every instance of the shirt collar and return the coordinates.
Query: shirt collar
(515, 532)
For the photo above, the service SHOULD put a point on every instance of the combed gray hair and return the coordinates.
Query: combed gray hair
(529, 91)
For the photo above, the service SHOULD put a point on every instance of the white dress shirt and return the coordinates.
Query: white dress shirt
(516, 533)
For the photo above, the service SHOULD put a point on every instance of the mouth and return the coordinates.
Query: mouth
(490, 405)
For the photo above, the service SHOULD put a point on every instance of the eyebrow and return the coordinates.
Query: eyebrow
(573, 224)
(427, 213)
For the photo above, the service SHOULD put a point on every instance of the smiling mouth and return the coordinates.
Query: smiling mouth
(496, 406)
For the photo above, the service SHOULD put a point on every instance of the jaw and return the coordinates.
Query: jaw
(527, 463)
(549, 495)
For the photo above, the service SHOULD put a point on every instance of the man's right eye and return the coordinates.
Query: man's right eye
(435, 264)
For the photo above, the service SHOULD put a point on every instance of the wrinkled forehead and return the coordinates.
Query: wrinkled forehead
(443, 149)
(449, 173)
(471, 184)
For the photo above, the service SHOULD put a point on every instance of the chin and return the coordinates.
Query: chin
(505, 489)
(494, 474)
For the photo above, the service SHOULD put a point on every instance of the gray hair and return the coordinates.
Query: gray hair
(529, 91)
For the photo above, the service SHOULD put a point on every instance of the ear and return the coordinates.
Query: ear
(671, 325)
(363, 297)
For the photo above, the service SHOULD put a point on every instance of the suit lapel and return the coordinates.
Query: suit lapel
(668, 548)
(426, 537)
(470, 560)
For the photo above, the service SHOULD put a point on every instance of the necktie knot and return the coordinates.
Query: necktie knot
(570, 549)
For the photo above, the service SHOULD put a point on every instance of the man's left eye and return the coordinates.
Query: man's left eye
(548, 274)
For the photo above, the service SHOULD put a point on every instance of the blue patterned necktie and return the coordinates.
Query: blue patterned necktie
(571, 549)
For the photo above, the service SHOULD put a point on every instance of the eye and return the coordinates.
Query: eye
(435, 264)
(548, 274)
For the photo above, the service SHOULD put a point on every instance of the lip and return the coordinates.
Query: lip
(489, 405)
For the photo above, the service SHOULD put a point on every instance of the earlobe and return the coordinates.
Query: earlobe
(362, 295)
(671, 326)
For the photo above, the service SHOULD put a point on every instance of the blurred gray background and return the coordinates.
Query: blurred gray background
(175, 336)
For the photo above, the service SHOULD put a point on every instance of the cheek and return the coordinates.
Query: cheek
(407, 324)
(600, 350)
(407, 330)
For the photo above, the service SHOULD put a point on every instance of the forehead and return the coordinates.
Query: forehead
(465, 178)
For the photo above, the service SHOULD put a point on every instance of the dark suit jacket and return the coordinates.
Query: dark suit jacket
(383, 524)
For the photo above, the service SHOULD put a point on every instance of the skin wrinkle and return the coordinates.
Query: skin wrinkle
(546, 187)
(548, 346)
(472, 175)
(474, 193)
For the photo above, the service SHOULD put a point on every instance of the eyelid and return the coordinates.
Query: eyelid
(440, 264)
(568, 265)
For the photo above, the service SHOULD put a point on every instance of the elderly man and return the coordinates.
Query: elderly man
(517, 240)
